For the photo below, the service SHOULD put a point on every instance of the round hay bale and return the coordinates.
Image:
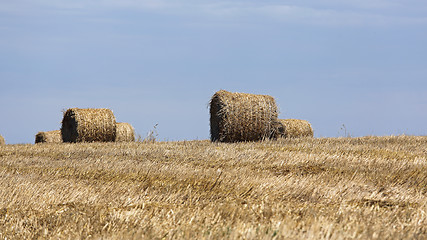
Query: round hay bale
(295, 128)
(49, 137)
(242, 117)
(124, 132)
(2, 141)
(88, 125)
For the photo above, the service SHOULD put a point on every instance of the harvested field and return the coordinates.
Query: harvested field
(302, 188)
(88, 125)
(49, 137)
(236, 117)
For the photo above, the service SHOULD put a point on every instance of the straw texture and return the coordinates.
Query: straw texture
(88, 125)
(2, 141)
(238, 117)
(49, 137)
(294, 128)
(124, 132)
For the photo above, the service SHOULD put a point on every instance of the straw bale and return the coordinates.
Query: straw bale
(49, 137)
(124, 132)
(242, 117)
(2, 141)
(294, 128)
(88, 125)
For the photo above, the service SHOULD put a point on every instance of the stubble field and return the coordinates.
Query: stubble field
(309, 188)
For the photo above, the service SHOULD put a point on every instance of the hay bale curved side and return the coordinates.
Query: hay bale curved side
(2, 141)
(124, 132)
(88, 125)
(49, 137)
(294, 128)
(242, 117)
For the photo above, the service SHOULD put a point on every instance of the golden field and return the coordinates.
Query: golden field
(308, 188)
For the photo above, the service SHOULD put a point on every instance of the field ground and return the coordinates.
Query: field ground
(327, 188)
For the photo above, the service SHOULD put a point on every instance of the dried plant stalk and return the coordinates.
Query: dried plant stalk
(242, 117)
(88, 125)
(2, 141)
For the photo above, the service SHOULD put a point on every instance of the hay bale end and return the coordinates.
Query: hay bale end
(88, 125)
(49, 137)
(124, 132)
(238, 117)
(295, 128)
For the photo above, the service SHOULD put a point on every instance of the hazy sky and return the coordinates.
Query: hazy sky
(361, 63)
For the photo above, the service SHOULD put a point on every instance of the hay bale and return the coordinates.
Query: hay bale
(88, 125)
(242, 117)
(2, 141)
(49, 137)
(124, 132)
(294, 128)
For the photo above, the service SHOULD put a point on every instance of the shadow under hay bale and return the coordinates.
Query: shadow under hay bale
(88, 125)
(2, 141)
(49, 137)
(295, 128)
(125, 132)
(238, 117)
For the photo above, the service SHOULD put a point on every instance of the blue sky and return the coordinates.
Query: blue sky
(361, 63)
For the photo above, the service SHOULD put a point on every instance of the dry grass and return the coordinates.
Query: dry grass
(238, 117)
(2, 141)
(88, 125)
(49, 137)
(294, 128)
(303, 188)
(124, 132)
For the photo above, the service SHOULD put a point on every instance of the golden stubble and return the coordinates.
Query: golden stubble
(306, 188)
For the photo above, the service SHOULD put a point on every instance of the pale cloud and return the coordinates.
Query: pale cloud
(322, 12)
(333, 17)
(353, 4)
(135, 4)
